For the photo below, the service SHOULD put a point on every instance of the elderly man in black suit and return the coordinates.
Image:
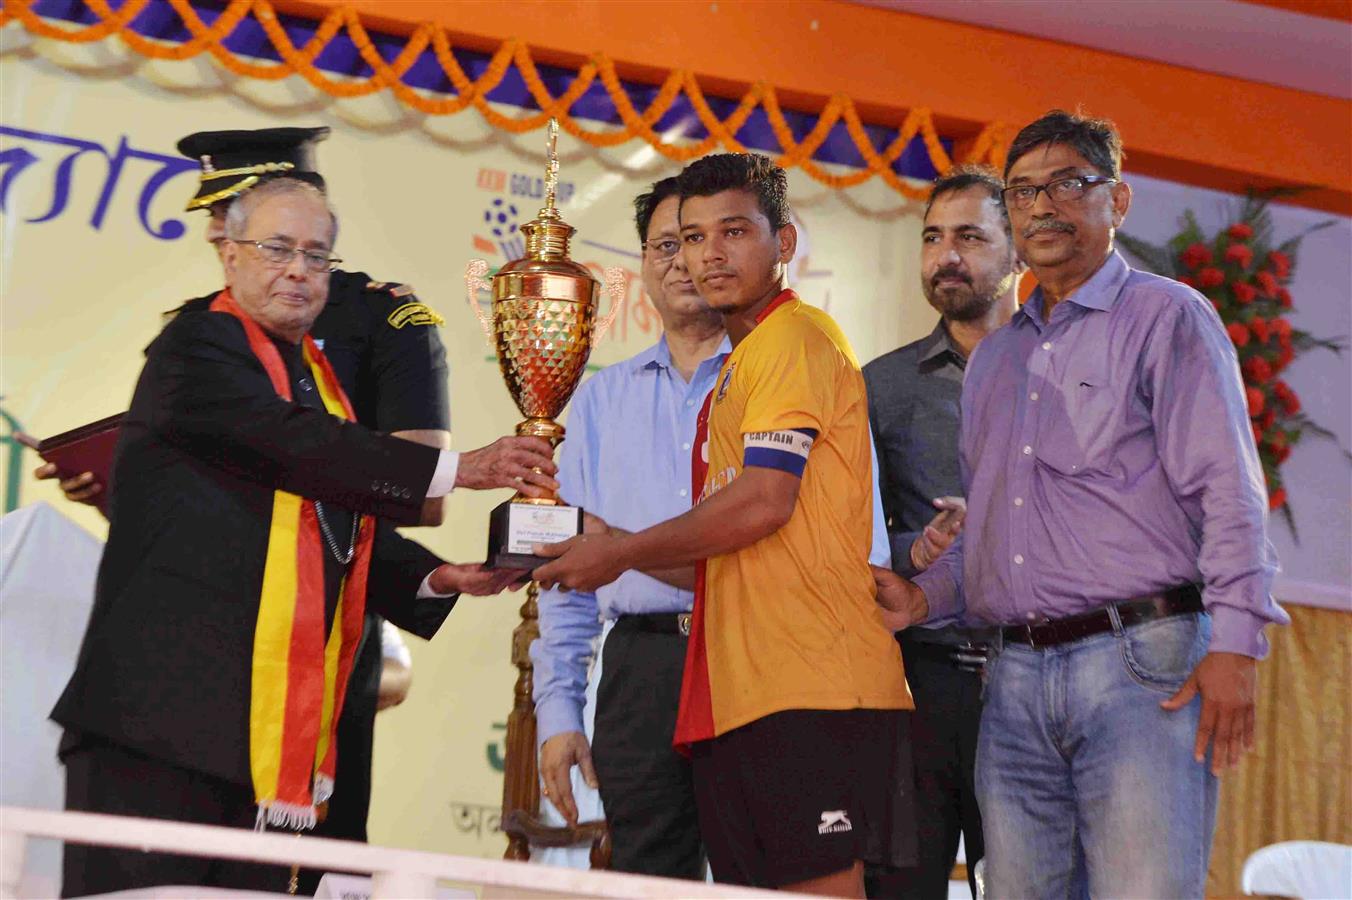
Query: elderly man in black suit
(242, 541)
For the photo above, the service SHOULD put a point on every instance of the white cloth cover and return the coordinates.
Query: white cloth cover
(47, 570)
(1311, 870)
(392, 645)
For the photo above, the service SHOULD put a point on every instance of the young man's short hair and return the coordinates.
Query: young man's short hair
(749, 172)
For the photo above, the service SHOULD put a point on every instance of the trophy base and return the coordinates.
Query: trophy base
(513, 527)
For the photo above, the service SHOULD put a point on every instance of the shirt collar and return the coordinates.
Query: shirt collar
(785, 296)
(658, 356)
(936, 344)
(1100, 292)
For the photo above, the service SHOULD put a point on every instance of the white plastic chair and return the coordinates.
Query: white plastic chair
(1309, 870)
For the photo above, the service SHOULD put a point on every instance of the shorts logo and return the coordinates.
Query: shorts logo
(833, 821)
(723, 385)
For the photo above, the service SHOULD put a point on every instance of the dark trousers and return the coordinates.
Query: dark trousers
(105, 778)
(944, 737)
(646, 786)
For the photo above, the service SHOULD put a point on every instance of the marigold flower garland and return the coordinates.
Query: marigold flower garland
(988, 147)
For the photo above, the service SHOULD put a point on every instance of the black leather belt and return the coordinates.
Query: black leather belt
(658, 623)
(1175, 602)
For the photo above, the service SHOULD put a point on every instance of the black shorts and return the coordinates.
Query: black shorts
(803, 793)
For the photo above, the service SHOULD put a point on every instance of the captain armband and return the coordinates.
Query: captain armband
(783, 450)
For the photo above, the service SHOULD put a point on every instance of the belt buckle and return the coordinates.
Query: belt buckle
(1028, 631)
(683, 624)
(970, 656)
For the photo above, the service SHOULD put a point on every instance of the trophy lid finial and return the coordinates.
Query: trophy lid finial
(547, 234)
(552, 170)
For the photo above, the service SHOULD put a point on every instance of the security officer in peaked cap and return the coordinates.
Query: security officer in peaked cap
(383, 343)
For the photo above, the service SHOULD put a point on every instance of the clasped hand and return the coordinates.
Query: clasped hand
(902, 602)
(525, 464)
(476, 579)
(585, 562)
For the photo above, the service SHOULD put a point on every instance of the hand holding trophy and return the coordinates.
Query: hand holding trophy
(543, 327)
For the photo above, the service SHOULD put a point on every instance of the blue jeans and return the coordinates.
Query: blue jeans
(1087, 787)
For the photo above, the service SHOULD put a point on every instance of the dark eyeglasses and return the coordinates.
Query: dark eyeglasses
(1063, 190)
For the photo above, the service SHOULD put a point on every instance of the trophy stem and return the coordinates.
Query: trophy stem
(542, 427)
(521, 780)
(547, 428)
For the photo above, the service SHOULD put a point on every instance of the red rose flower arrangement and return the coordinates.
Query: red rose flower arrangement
(1245, 277)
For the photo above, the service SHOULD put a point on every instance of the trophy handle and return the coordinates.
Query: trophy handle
(475, 282)
(617, 284)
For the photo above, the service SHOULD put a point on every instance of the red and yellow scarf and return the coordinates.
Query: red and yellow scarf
(299, 675)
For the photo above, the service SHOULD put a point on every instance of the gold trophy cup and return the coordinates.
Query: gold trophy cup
(543, 327)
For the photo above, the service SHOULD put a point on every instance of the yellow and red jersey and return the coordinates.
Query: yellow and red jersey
(790, 622)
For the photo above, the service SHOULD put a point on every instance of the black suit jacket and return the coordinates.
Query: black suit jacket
(165, 664)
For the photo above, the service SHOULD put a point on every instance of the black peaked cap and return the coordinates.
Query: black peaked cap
(234, 161)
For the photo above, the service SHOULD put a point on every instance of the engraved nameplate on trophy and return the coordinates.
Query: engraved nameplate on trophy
(514, 529)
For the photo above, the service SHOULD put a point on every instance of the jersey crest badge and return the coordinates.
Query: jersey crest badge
(723, 385)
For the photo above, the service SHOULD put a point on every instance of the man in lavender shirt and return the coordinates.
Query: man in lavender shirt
(1116, 531)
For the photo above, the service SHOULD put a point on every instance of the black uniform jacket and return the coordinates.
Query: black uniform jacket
(165, 664)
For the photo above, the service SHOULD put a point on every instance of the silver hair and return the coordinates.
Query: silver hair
(237, 216)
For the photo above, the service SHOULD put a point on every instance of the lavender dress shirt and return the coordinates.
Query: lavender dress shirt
(1108, 454)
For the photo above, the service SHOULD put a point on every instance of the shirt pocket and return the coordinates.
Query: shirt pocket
(1076, 420)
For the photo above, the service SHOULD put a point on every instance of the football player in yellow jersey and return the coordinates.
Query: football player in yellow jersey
(794, 704)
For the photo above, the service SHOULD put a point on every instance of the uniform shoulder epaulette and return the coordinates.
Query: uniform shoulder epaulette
(414, 312)
(390, 287)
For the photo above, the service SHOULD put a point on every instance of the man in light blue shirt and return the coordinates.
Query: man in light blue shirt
(627, 461)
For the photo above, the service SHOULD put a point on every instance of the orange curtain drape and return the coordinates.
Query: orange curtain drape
(1297, 784)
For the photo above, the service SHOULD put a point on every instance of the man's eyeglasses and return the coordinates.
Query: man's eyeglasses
(662, 249)
(1023, 196)
(278, 254)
